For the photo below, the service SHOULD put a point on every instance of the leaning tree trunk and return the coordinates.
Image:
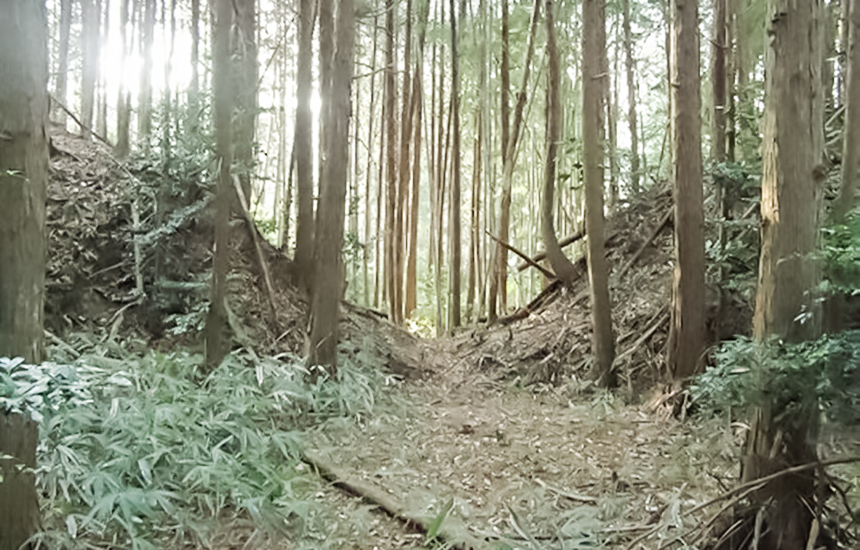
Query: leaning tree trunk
(593, 43)
(328, 259)
(561, 265)
(687, 331)
(23, 180)
(786, 304)
(217, 340)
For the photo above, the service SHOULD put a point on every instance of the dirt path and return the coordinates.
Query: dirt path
(553, 466)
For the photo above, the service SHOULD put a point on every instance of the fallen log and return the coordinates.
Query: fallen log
(390, 504)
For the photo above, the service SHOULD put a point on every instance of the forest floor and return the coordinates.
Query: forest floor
(495, 430)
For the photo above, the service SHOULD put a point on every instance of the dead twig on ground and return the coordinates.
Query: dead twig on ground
(663, 222)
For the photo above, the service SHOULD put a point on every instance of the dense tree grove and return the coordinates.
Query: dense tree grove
(461, 170)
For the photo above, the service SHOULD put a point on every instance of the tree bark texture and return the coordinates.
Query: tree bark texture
(123, 104)
(328, 257)
(687, 331)
(786, 304)
(593, 42)
(23, 182)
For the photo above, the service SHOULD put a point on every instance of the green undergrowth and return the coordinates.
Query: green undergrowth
(148, 451)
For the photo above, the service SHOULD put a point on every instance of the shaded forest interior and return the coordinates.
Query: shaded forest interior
(427, 274)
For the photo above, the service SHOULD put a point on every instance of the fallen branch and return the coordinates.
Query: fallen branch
(78, 121)
(529, 262)
(390, 504)
(567, 241)
(665, 220)
(252, 229)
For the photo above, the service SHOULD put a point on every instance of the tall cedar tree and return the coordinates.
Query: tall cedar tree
(851, 139)
(368, 170)
(687, 331)
(499, 274)
(23, 181)
(786, 306)
(328, 258)
(304, 147)
(593, 43)
(217, 338)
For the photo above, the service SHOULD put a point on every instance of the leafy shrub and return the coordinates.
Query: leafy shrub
(799, 379)
(145, 452)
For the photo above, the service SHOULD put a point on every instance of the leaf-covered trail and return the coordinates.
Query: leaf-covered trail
(547, 463)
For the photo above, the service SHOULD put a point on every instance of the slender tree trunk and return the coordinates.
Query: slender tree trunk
(391, 211)
(593, 42)
(304, 148)
(687, 331)
(63, 61)
(123, 104)
(417, 114)
(718, 82)
(368, 170)
(786, 303)
(90, 15)
(497, 301)
(499, 284)
(631, 99)
(851, 128)
(246, 93)
(101, 125)
(612, 124)
(23, 182)
(217, 332)
(325, 305)
(830, 53)
(444, 132)
(194, 88)
(454, 208)
(475, 218)
(381, 240)
(145, 98)
(354, 198)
